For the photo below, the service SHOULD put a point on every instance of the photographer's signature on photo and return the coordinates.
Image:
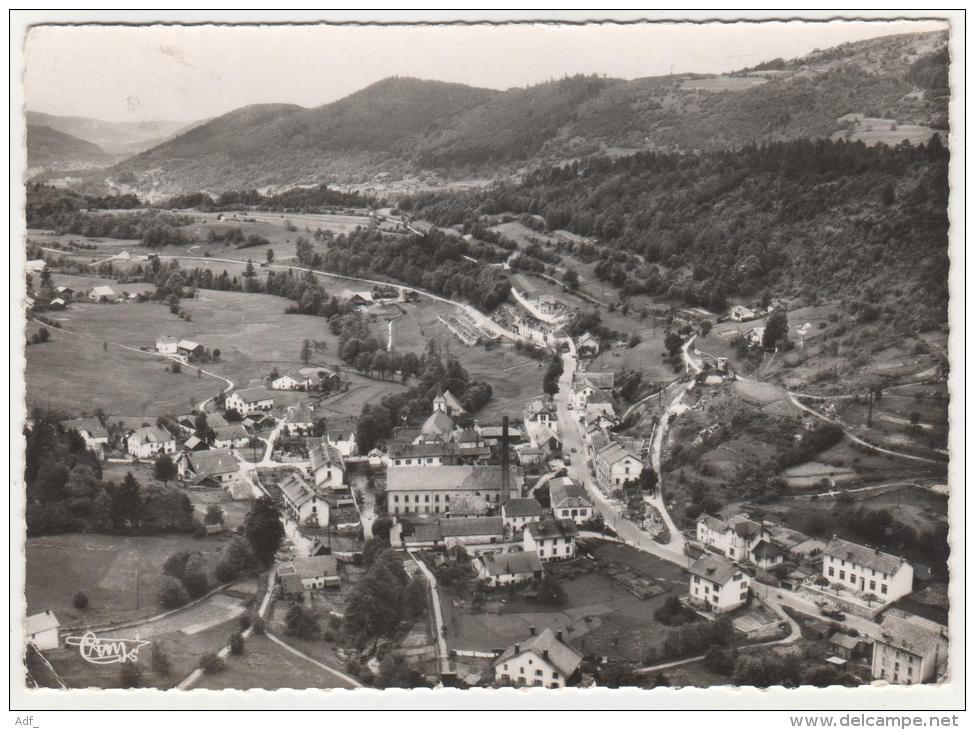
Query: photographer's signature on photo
(103, 650)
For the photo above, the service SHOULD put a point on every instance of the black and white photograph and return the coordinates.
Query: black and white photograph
(544, 355)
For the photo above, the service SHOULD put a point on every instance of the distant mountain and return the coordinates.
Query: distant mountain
(121, 139)
(49, 149)
(883, 89)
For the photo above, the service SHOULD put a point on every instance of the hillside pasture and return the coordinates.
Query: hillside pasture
(121, 575)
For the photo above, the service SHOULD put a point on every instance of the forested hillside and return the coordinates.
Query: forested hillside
(404, 125)
(805, 219)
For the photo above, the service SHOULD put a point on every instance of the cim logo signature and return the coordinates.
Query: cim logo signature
(100, 650)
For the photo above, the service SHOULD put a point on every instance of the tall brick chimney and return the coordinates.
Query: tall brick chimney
(505, 470)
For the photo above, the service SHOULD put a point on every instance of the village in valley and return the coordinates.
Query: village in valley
(322, 436)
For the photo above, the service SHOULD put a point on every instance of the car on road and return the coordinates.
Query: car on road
(832, 613)
(569, 406)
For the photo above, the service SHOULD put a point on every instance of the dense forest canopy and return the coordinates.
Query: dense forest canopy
(803, 218)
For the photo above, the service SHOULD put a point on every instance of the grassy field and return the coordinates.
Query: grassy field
(599, 615)
(266, 665)
(81, 373)
(120, 575)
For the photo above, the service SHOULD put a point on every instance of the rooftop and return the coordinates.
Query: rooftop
(863, 555)
(512, 563)
(93, 426)
(474, 478)
(567, 492)
(714, 568)
(214, 461)
(553, 528)
(522, 507)
(41, 622)
(912, 634)
(548, 648)
(255, 394)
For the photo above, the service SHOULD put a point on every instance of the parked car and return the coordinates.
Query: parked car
(833, 613)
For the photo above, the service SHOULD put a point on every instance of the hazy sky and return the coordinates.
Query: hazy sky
(188, 73)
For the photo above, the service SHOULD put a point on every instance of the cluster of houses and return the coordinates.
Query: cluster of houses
(862, 580)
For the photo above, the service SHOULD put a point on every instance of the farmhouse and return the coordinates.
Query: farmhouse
(35, 266)
(215, 467)
(250, 399)
(101, 294)
(439, 532)
(569, 500)
(356, 298)
(290, 381)
(534, 329)
(42, 630)
(502, 569)
(327, 464)
(866, 570)
(231, 436)
(57, 303)
(302, 502)
(734, 538)
(587, 345)
(189, 349)
(717, 584)
(301, 422)
(195, 443)
(417, 489)
(755, 336)
(545, 660)
(551, 539)
(909, 650)
(146, 442)
(92, 432)
(166, 345)
(309, 574)
(519, 511)
(344, 440)
(741, 313)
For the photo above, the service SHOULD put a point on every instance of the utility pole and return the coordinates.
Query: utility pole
(870, 411)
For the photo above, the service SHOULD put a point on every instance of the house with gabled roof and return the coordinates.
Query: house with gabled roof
(149, 441)
(502, 569)
(327, 465)
(246, 400)
(569, 500)
(717, 584)
(519, 511)
(302, 502)
(231, 436)
(92, 432)
(190, 349)
(552, 539)
(910, 649)
(344, 440)
(861, 569)
(545, 660)
(615, 463)
(41, 630)
(734, 538)
(290, 381)
(587, 345)
(429, 531)
(215, 467)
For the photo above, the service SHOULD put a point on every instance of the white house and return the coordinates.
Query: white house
(101, 294)
(861, 569)
(767, 554)
(734, 538)
(569, 500)
(587, 345)
(35, 266)
(344, 440)
(92, 432)
(301, 421)
(215, 467)
(166, 345)
(148, 441)
(42, 630)
(717, 584)
(250, 399)
(302, 503)
(231, 436)
(327, 465)
(551, 539)
(502, 569)
(909, 650)
(616, 465)
(519, 511)
(545, 660)
(290, 381)
(741, 313)
(309, 574)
